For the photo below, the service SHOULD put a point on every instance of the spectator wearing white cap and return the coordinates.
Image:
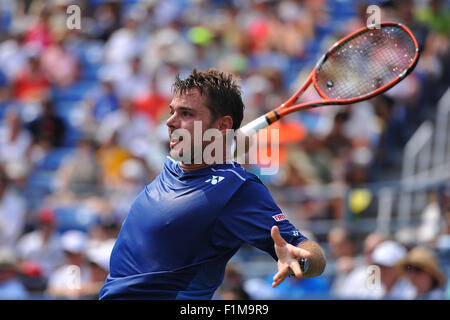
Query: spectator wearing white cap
(354, 285)
(68, 280)
(98, 256)
(391, 285)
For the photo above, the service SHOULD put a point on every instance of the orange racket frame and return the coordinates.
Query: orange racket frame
(289, 107)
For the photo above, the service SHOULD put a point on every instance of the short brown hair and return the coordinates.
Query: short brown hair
(223, 94)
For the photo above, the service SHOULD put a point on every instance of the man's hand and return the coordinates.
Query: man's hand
(288, 256)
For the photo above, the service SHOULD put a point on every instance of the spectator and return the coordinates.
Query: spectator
(4, 88)
(101, 101)
(48, 129)
(133, 176)
(33, 279)
(80, 174)
(152, 102)
(10, 285)
(31, 84)
(342, 249)
(133, 82)
(337, 141)
(341, 243)
(13, 56)
(98, 258)
(125, 42)
(39, 34)
(442, 243)
(42, 245)
(436, 16)
(110, 157)
(103, 231)
(354, 286)
(12, 213)
(421, 267)
(235, 294)
(392, 285)
(69, 279)
(106, 20)
(59, 65)
(15, 140)
(430, 226)
(232, 287)
(131, 129)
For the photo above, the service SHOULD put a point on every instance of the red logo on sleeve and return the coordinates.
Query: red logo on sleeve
(279, 217)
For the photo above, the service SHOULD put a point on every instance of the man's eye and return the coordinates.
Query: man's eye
(186, 114)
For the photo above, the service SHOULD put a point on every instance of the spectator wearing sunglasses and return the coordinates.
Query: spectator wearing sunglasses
(421, 267)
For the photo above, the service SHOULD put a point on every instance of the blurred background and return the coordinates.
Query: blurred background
(82, 130)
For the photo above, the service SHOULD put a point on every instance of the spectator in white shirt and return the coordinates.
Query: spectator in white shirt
(12, 213)
(15, 140)
(43, 245)
(68, 281)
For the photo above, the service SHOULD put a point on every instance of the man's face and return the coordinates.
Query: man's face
(185, 110)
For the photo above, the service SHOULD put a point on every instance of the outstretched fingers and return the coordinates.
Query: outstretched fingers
(276, 236)
(295, 267)
(280, 276)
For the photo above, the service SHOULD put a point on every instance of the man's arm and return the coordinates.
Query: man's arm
(289, 255)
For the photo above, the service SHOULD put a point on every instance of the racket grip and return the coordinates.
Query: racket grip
(250, 129)
(254, 126)
(246, 133)
(304, 264)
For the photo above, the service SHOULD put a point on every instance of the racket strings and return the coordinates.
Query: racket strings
(365, 63)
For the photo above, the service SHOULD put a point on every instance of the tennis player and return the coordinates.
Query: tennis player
(184, 226)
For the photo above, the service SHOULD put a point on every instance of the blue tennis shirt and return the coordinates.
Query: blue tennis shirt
(184, 227)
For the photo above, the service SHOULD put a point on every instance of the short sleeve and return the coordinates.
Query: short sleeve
(249, 216)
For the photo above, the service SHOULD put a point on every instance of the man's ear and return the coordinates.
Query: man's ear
(225, 123)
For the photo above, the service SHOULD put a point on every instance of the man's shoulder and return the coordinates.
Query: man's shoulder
(251, 190)
(233, 170)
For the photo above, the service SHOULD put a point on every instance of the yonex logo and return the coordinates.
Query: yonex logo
(215, 179)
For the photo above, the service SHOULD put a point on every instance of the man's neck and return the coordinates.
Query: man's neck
(193, 167)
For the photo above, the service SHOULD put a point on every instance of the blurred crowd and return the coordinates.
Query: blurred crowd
(82, 130)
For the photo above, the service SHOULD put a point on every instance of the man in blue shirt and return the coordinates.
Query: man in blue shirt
(184, 226)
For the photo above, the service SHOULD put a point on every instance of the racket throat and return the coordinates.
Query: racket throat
(272, 116)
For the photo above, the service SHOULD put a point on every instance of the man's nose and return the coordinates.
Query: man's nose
(173, 122)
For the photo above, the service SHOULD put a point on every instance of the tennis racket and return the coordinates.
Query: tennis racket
(358, 67)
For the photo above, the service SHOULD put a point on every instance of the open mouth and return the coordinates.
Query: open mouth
(174, 140)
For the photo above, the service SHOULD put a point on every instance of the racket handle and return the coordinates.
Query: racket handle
(254, 126)
(251, 128)
(304, 266)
